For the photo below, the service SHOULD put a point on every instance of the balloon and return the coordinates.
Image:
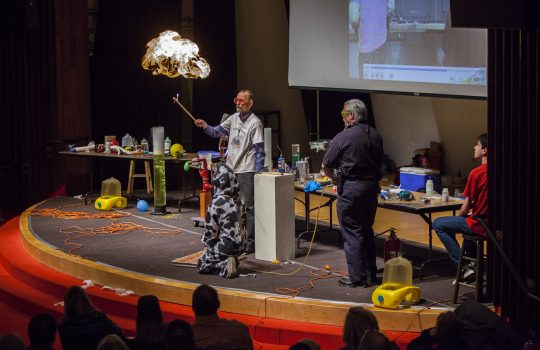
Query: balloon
(142, 205)
(177, 150)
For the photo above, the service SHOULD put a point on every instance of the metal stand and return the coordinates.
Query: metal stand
(308, 210)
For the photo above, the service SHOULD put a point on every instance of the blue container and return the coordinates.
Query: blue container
(414, 179)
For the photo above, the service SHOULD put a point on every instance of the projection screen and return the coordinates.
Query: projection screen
(405, 46)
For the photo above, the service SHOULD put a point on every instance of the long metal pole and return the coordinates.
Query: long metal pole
(318, 115)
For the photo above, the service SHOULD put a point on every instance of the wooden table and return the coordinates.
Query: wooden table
(423, 209)
(146, 158)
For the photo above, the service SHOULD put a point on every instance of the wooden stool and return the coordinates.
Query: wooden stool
(479, 268)
(147, 175)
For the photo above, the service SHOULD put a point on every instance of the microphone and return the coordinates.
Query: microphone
(224, 117)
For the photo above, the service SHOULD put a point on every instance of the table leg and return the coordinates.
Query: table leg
(430, 259)
(306, 217)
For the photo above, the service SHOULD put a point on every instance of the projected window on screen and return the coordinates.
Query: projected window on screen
(412, 41)
(404, 46)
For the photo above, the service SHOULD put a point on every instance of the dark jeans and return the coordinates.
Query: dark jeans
(356, 209)
(246, 181)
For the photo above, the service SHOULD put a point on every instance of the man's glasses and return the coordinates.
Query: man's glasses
(238, 100)
(345, 114)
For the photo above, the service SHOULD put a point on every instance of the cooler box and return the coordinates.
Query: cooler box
(414, 179)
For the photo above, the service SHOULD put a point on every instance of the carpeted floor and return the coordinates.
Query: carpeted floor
(153, 253)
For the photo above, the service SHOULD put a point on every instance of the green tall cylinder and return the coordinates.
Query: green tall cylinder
(160, 195)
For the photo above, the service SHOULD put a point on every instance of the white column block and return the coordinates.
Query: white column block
(274, 217)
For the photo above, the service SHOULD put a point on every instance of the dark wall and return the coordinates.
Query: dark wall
(514, 132)
(214, 32)
(43, 98)
(330, 106)
(125, 97)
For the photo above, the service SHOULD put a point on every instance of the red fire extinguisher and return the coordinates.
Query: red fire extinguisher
(392, 246)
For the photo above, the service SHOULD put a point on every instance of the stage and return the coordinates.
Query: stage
(300, 290)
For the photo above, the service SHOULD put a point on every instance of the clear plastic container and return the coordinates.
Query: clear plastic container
(144, 145)
(126, 140)
(399, 271)
(111, 187)
(302, 166)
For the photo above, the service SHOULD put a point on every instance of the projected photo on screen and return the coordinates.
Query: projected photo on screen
(410, 40)
(405, 46)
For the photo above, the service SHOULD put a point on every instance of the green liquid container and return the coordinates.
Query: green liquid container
(160, 196)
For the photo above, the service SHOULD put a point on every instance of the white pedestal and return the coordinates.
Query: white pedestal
(274, 217)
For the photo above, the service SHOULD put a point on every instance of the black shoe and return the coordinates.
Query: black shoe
(372, 282)
(346, 282)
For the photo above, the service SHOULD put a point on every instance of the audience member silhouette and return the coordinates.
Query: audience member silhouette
(300, 346)
(83, 325)
(357, 323)
(11, 341)
(42, 332)
(471, 326)
(179, 336)
(149, 323)
(375, 340)
(305, 344)
(211, 331)
(112, 342)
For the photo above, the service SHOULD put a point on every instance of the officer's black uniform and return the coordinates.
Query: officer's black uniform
(357, 153)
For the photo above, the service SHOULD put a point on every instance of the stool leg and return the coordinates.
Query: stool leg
(479, 283)
(148, 176)
(130, 177)
(458, 276)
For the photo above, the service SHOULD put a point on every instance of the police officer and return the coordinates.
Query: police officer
(356, 156)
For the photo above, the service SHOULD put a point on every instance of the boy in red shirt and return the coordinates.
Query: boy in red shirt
(476, 195)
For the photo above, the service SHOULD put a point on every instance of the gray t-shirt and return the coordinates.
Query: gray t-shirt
(242, 138)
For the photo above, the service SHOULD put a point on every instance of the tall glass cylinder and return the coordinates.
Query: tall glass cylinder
(160, 197)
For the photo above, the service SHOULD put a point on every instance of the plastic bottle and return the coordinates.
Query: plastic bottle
(133, 144)
(429, 187)
(445, 196)
(126, 140)
(144, 145)
(281, 164)
(167, 145)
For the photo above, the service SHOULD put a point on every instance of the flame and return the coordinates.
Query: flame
(171, 55)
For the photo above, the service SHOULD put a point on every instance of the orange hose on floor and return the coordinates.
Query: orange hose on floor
(115, 228)
(76, 215)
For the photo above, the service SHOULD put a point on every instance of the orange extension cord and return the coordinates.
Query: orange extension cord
(57, 213)
(115, 228)
(318, 274)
